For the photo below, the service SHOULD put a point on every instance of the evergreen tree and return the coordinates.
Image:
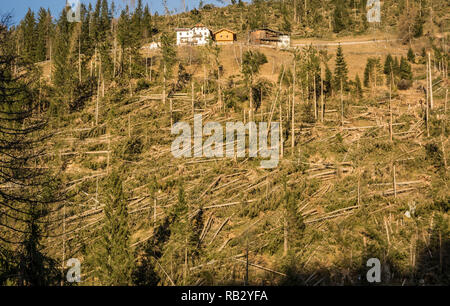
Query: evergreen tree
(169, 53)
(419, 21)
(43, 27)
(251, 65)
(25, 207)
(112, 259)
(293, 221)
(396, 67)
(367, 69)
(328, 82)
(388, 64)
(405, 70)
(61, 55)
(388, 68)
(358, 87)
(146, 23)
(340, 16)
(28, 26)
(340, 70)
(411, 56)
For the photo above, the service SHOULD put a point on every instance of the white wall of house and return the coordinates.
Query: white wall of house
(285, 41)
(196, 36)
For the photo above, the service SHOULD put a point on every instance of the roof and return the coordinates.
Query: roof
(270, 30)
(224, 29)
(199, 25)
(182, 29)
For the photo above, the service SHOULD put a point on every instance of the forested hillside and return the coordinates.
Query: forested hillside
(87, 171)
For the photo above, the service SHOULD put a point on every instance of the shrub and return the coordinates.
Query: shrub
(142, 84)
(404, 84)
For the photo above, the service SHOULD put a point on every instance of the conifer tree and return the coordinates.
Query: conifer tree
(168, 53)
(340, 16)
(61, 55)
(358, 87)
(147, 23)
(28, 26)
(26, 206)
(112, 259)
(405, 70)
(251, 65)
(293, 222)
(388, 68)
(340, 70)
(43, 32)
(411, 56)
(328, 82)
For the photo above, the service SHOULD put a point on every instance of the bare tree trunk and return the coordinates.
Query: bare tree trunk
(250, 99)
(431, 81)
(246, 261)
(285, 236)
(293, 112)
(98, 97)
(390, 110)
(151, 67)
(63, 244)
(359, 188)
(394, 181)
(281, 132)
(342, 107)
(154, 215)
(427, 105)
(322, 97)
(171, 112)
(79, 58)
(445, 103)
(51, 65)
(192, 97)
(115, 56)
(219, 90)
(131, 88)
(164, 85)
(129, 125)
(315, 98)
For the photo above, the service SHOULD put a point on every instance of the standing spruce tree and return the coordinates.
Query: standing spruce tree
(28, 27)
(184, 245)
(388, 68)
(405, 70)
(43, 35)
(328, 82)
(358, 87)
(373, 73)
(147, 24)
(411, 56)
(340, 70)
(405, 74)
(251, 65)
(63, 72)
(31, 194)
(112, 261)
(293, 222)
(341, 19)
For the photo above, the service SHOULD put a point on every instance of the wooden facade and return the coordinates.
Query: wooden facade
(269, 37)
(224, 36)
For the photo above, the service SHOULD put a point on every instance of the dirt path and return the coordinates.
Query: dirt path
(344, 43)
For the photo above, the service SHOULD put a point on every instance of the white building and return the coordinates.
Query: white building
(284, 41)
(196, 36)
(154, 46)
